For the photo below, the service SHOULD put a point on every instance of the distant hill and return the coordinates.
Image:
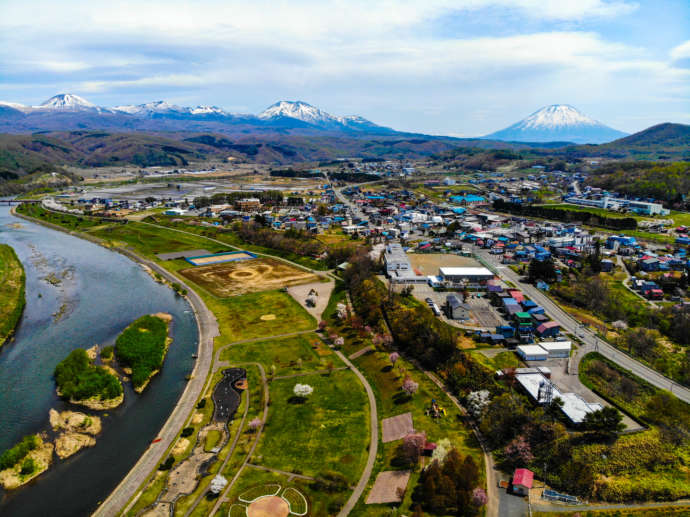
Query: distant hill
(665, 141)
(558, 122)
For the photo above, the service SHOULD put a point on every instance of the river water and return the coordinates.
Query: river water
(79, 294)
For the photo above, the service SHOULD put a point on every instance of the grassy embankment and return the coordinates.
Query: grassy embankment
(232, 239)
(652, 465)
(142, 346)
(12, 295)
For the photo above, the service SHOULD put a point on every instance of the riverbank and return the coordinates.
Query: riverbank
(207, 329)
(12, 291)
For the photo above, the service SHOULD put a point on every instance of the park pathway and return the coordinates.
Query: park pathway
(374, 439)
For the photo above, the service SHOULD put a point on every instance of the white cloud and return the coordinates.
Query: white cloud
(682, 51)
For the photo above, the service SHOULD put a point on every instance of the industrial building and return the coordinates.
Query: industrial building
(462, 275)
(532, 353)
(543, 391)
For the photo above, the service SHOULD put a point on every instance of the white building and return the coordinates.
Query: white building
(557, 349)
(532, 353)
(456, 275)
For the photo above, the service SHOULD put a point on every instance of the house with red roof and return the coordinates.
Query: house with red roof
(549, 329)
(522, 481)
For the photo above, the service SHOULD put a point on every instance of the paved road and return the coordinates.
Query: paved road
(589, 338)
(373, 440)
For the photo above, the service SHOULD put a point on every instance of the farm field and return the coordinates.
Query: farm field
(246, 276)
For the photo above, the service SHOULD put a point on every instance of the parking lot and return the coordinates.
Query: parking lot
(483, 314)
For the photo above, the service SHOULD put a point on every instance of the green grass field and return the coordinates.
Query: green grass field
(12, 296)
(327, 432)
(284, 354)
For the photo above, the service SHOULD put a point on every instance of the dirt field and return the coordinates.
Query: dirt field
(388, 486)
(428, 263)
(323, 290)
(269, 506)
(247, 276)
(397, 427)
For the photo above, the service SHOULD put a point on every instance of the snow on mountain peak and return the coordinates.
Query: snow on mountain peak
(67, 101)
(557, 116)
(298, 110)
(207, 110)
(558, 122)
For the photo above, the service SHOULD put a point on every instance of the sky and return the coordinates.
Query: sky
(461, 68)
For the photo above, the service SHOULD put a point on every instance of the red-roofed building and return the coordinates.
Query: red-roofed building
(522, 481)
(549, 329)
(517, 295)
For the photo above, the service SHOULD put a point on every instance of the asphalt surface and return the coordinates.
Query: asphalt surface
(591, 340)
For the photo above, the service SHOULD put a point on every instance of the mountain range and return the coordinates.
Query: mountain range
(67, 111)
(558, 123)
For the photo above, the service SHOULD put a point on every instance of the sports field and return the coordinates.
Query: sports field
(247, 276)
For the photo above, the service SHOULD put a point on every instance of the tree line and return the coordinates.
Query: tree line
(565, 215)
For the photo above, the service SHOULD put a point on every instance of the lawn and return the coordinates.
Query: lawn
(240, 317)
(327, 432)
(284, 354)
(12, 299)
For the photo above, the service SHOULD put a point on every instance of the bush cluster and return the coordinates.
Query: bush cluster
(78, 379)
(141, 347)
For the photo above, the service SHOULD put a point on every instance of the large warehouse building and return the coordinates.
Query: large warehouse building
(462, 275)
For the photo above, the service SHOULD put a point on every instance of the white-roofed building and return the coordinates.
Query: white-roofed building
(574, 406)
(557, 349)
(458, 275)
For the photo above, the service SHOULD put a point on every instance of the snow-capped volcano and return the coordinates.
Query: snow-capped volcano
(558, 122)
(303, 112)
(67, 101)
(298, 110)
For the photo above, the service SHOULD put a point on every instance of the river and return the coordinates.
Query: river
(79, 294)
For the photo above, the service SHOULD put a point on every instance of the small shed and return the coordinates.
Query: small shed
(532, 353)
(522, 481)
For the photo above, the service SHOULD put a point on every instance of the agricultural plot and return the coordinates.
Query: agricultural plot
(247, 276)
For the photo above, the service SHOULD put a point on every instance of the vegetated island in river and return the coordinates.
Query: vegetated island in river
(142, 346)
(12, 296)
(86, 384)
(26, 460)
(33, 455)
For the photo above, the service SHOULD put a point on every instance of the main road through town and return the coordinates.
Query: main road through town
(591, 341)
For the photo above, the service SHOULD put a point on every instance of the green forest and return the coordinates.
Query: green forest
(669, 183)
(77, 378)
(141, 347)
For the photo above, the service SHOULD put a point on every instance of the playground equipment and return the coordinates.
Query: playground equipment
(435, 410)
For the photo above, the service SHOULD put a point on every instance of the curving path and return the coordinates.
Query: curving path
(374, 439)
